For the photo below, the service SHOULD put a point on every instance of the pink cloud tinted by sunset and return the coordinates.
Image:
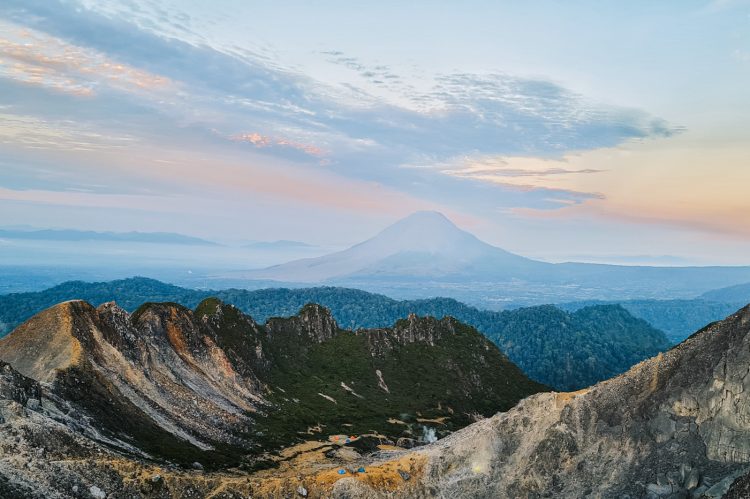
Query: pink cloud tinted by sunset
(263, 141)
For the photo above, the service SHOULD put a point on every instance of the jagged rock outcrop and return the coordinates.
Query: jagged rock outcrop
(48, 449)
(410, 330)
(313, 322)
(213, 387)
(156, 377)
(16, 391)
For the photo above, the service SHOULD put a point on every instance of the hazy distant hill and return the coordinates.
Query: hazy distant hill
(560, 349)
(87, 235)
(739, 293)
(677, 318)
(280, 245)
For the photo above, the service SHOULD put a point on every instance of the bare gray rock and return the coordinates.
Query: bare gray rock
(675, 426)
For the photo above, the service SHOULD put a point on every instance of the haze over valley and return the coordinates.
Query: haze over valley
(420, 256)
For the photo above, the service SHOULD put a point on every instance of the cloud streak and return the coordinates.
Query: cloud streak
(35, 133)
(34, 58)
(265, 141)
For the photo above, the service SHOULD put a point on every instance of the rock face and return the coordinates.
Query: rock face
(17, 390)
(676, 426)
(157, 379)
(46, 343)
(212, 389)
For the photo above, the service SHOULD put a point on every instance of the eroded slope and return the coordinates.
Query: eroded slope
(211, 386)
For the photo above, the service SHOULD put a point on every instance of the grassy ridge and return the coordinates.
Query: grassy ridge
(461, 375)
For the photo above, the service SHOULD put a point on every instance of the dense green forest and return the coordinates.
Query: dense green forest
(677, 318)
(565, 350)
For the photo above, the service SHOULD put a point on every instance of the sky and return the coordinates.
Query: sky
(583, 130)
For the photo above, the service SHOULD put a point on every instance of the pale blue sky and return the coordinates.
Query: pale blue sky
(554, 129)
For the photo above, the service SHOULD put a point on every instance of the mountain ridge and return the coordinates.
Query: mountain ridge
(739, 293)
(90, 235)
(212, 385)
(677, 318)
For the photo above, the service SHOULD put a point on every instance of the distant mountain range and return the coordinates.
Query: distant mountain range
(421, 256)
(87, 235)
(560, 349)
(677, 318)
(739, 293)
(280, 245)
(425, 254)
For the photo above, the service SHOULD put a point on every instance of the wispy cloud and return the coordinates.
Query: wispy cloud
(379, 74)
(74, 198)
(264, 141)
(34, 58)
(550, 178)
(509, 169)
(34, 133)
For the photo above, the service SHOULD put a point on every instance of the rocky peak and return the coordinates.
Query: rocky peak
(173, 322)
(423, 329)
(152, 313)
(317, 316)
(209, 307)
(413, 329)
(113, 309)
(116, 326)
(216, 312)
(313, 322)
(48, 342)
(157, 375)
(242, 340)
